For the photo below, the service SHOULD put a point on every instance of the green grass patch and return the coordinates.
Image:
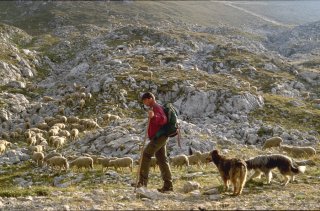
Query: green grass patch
(279, 111)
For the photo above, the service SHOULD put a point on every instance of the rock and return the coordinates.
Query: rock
(211, 191)
(190, 186)
(148, 193)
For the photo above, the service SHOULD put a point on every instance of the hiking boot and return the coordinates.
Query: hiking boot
(165, 189)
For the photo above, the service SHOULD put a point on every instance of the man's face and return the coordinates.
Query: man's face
(147, 101)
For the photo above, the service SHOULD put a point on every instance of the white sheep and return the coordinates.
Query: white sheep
(82, 103)
(74, 134)
(42, 126)
(38, 148)
(298, 152)
(254, 89)
(179, 161)
(6, 143)
(105, 162)
(204, 157)
(195, 158)
(153, 163)
(272, 142)
(110, 117)
(89, 96)
(38, 157)
(47, 99)
(147, 73)
(64, 133)
(54, 132)
(58, 161)
(58, 142)
(52, 154)
(73, 119)
(32, 141)
(2, 148)
(82, 95)
(83, 161)
(121, 162)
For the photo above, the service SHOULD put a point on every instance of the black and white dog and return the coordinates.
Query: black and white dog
(265, 164)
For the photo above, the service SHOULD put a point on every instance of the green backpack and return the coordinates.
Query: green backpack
(170, 129)
(172, 126)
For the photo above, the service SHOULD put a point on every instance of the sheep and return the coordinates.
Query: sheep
(47, 99)
(254, 89)
(83, 161)
(58, 142)
(59, 161)
(305, 95)
(110, 117)
(52, 154)
(148, 73)
(153, 163)
(78, 126)
(61, 119)
(195, 158)
(51, 139)
(32, 141)
(29, 133)
(74, 134)
(6, 143)
(89, 96)
(38, 148)
(82, 89)
(121, 162)
(105, 162)
(14, 135)
(298, 152)
(38, 157)
(69, 102)
(2, 148)
(179, 161)
(42, 126)
(89, 123)
(82, 103)
(204, 157)
(39, 138)
(60, 125)
(5, 135)
(54, 132)
(144, 68)
(94, 157)
(82, 95)
(272, 142)
(64, 133)
(73, 119)
(61, 110)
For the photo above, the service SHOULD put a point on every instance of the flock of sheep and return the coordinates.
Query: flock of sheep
(294, 151)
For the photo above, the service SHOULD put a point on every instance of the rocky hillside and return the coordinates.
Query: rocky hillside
(233, 87)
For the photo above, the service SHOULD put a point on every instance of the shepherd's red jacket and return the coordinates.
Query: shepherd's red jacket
(157, 121)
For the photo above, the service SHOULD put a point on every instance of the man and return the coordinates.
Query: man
(156, 146)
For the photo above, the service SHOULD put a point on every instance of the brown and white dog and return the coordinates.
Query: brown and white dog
(230, 169)
(265, 163)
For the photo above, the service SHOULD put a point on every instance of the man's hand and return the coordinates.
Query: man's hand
(150, 114)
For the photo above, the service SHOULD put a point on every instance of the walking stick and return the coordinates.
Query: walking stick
(139, 167)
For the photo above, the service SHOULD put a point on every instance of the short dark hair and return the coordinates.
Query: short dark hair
(147, 95)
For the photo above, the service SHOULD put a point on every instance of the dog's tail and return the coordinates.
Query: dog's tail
(243, 177)
(298, 169)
